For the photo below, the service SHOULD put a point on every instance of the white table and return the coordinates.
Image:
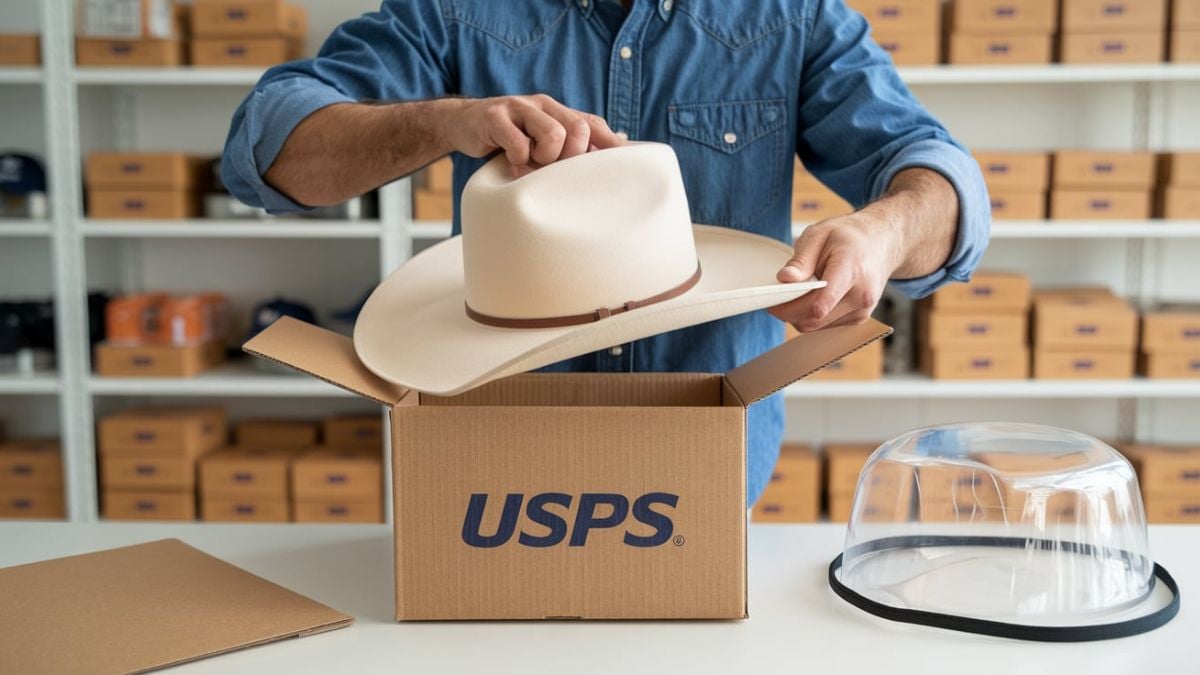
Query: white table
(796, 624)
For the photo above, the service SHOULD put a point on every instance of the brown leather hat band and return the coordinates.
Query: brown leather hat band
(590, 317)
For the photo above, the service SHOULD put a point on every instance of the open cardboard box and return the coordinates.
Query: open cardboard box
(598, 496)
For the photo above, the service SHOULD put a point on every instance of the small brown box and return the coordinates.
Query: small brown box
(1185, 14)
(840, 506)
(803, 181)
(31, 464)
(1120, 47)
(986, 292)
(285, 434)
(338, 511)
(157, 360)
(247, 18)
(236, 52)
(1171, 329)
(335, 473)
(128, 53)
(794, 493)
(137, 204)
(432, 205)
(1082, 364)
(1185, 46)
(246, 509)
(1014, 205)
(1165, 469)
(1084, 321)
(1179, 169)
(844, 463)
(1091, 170)
(910, 49)
(162, 432)
(148, 473)
(20, 50)
(1096, 16)
(1179, 203)
(1100, 204)
(976, 363)
(966, 487)
(237, 472)
(955, 329)
(144, 170)
(149, 505)
(438, 176)
(812, 206)
(34, 503)
(864, 364)
(1015, 171)
(992, 17)
(353, 431)
(966, 49)
(921, 17)
(1177, 510)
(1170, 366)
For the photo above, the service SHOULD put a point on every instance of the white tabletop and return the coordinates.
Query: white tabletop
(796, 624)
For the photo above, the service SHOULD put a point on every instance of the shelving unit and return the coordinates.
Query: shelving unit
(44, 383)
(924, 388)
(1051, 74)
(238, 379)
(233, 229)
(21, 75)
(182, 76)
(16, 227)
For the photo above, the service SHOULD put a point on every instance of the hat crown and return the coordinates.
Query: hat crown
(582, 234)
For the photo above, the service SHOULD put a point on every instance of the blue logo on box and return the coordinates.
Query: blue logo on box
(538, 510)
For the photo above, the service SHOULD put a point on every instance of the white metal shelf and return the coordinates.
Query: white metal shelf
(41, 383)
(239, 378)
(1051, 74)
(21, 75)
(233, 229)
(182, 76)
(429, 229)
(917, 387)
(21, 227)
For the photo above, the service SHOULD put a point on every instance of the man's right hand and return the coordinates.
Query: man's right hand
(531, 130)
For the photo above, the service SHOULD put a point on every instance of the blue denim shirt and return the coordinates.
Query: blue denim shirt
(737, 88)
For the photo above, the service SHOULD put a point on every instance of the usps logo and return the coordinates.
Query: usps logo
(550, 512)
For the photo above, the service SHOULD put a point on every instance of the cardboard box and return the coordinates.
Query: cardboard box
(1179, 169)
(238, 472)
(1015, 171)
(843, 464)
(1169, 366)
(1178, 510)
(278, 433)
(1082, 364)
(864, 364)
(1185, 14)
(956, 329)
(986, 292)
(1179, 203)
(31, 464)
(1075, 294)
(1084, 321)
(129, 53)
(248, 509)
(1094, 170)
(1165, 469)
(965, 488)
(157, 360)
(20, 50)
(1007, 17)
(247, 19)
(162, 432)
(148, 473)
(794, 493)
(432, 205)
(1185, 46)
(1173, 329)
(910, 49)
(35, 503)
(131, 19)
(337, 511)
(1118, 47)
(1096, 16)
(920, 17)
(803, 181)
(966, 49)
(338, 473)
(668, 448)
(148, 505)
(1104, 204)
(813, 206)
(984, 362)
(145, 170)
(137, 204)
(1012, 205)
(438, 176)
(353, 431)
(236, 52)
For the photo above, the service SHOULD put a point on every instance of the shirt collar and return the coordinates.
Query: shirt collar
(664, 8)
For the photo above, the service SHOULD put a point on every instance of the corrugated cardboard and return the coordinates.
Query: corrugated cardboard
(148, 473)
(338, 473)
(432, 205)
(1179, 169)
(1179, 203)
(353, 431)
(1070, 294)
(1082, 363)
(248, 509)
(150, 204)
(1034, 17)
(815, 205)
(247, 18)
(157, 360)
(794, 493)
(148, 505)
(1092, 16)
(35, 503)
(1179, 510)
(31, 463)
(1083, 321)
(1185, 14)
(337, 511)
(237, 52)
(246, 471)
(1171, 329)
(1106, 204)
(909, 49)
(20, 50)
(1170, 366)
(145, 170)
(986, 292)
(129, 53)
(1118, 47)
(968, 49)
(955, 329)
(1013, 205)
(276, 433)
(983, 362)
(1185, 46)
(1165, 469)
(1090, 170)
(166, 432)
(438, 176)
(843, 464)
(1015, 171)
(644, 472)
(864, 364)
(141, 608)
(920, 17)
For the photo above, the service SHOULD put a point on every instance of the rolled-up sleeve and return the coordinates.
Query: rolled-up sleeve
(399, 53)
(859, 126)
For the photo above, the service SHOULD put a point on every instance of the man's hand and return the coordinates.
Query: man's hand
(531, 130)
(910, 232)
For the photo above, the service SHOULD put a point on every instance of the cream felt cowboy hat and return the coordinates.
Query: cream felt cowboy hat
(586, 253)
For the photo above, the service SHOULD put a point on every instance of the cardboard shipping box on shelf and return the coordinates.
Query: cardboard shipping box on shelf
(338, 485)
(1185, 46)
(794, 493)
(1083, 335)
(961, 329)
(241, 52)
(430, 205)
(438, 176)
(1179, 203)
(812, 205)
(1170, 344)
(147, 505)
(1008, 205)
(891, 484)
(353, 431)
(988, 291)
(276, 433)
(129, 53)
(166, 432)
(20, 49)
(908, 30)
(1170, 480)
(643, 472)
(1120, 47)
(1101, 204)
(31, 480)
(131, 33)
(154, 360)
(1003, 17)
(247, 32)
(863, 364)
(910, 50)
(245, 483)
(975, 362)
(1098, 16)
(1017, 183)
(971, 50)
(1179, 169)
(164, 185)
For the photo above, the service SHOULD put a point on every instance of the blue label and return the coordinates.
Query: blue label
(550, 512)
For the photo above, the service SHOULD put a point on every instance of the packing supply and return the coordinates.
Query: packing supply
(1185, 46)
(1076, 363)
(154, 360)
(129, 53)
(31, 463)
(1100, 16)
(643, 472)
(910, 50)
(1047, 574)
(905, 17)
(1003, 17)
(148, 472)
(988, 291)
(1172, 470)
(1015, 171)
(338, 511)
(287, 434)
(1179, 203)
(353, 431)
(1097, 204)
(814, 205)
(956, 329)
(337, 473)
(150, 204)
(1179, 169)
(20, 49)
(1001, 49)
(145, 170)
(975, 362)
(863, 364)
(1084, 320)
(1171, 329)
(22, 187)
(148, 505)
(794, 493)
(145, 607)
(247, 19)
(891, 493)
(1017, 205)
(430, 205)
(1095, 170)
(1117, 47)
(181, 432)
(33, 503)
(244, 509)
(237, 52)
(240, 471)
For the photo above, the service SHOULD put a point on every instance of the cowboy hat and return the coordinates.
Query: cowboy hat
(583, 254)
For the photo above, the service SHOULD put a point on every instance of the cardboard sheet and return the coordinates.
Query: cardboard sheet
(143, 607)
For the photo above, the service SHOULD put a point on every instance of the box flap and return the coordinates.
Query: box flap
(322, 354)
(800, 357)
(143, 607)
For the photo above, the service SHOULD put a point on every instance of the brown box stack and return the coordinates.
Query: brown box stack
(156, 335)
(1179, 186)
(794, 493)
(908, 30)
(1113, 31)
(148, 460)
(1096, 185)
(976, 330)
(1086, 333)
(31, 481)
(433, 198)
(1017, 183)
(1170, 480)
(1185, 31)
(247, 32)
(128, 185)
(353, 431)
(890, 483)
(863, 364)
(105, 35)
(813, 202)
(1170, 345)
(338, 485)
(276, 433)
(246, 484)
(20, 49)
(1001, 32)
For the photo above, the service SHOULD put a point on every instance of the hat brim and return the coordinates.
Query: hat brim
(414, 331)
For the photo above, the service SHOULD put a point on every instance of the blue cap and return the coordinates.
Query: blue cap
(21, 174)
(269, 312)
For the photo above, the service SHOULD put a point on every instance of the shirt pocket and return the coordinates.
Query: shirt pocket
(732, 156)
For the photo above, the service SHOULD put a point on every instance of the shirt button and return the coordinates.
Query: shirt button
(583, 3)
(667, 4)
(687, 118)
(771, 115)
(730, 137)
(626, 53)
(616, 351)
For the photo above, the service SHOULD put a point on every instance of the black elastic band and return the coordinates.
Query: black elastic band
(1086, 633)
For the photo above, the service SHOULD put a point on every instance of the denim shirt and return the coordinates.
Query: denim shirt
(738, 89)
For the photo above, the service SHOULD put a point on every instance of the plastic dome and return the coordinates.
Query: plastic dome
(1010, 529)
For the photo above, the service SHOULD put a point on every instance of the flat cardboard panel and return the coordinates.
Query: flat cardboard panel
(128, 53)
(20, 50)
(1082, 364)
(148, 473)
(164, 432)
(908, 49)
(332, 473)
(1000, 49)
(239, 472)
(249, 509)
(921, 17)
(1113, 15)
(143, 607)
(864, 364)
(1117, 47)
(1087, 170)
(34, 503)
(31, 463)
(279, 433)
(986, 292)
(338, 511)
(694, 453)
(1016, 171)
(995, 17)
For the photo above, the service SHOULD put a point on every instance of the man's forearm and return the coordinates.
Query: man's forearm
(922, 206)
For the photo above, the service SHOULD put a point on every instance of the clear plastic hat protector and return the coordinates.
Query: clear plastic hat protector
(1013, 530)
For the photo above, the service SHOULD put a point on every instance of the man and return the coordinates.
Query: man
(737, 88)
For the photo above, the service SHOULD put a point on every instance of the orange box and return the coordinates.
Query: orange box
(33, 503)
(993, 17)
(1095, 16)
(438, 176)
(1179, 203)
(967, 49)
(148, 473)
(432, 205)
(133, 319)
(1086, 321)
(246, 509)
(955, 329)
(145, 170)
(235, 52)
(1082, 364)
(153, 360)
(335, 473)
(20, 49)
(1118, 47)
(129, 53)
(247, 18)
(910, 49)
(1179, 169)
(975, 363)
(1101, 204)
(148, 505)
(901, 16)
(353, 431)
(1185, 46)
(135, 204)
(1170, 366)
(237, 472)
(1171, 329)
(864, 364)
(184, 320)
(1013, 205)
(1169, 470)
(1092, 170)
(162, 432)
(794, 493)
(813, 206)
(284, 434)
(31, 464)
(1015, 171)
(338, 511)
(986, 292)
